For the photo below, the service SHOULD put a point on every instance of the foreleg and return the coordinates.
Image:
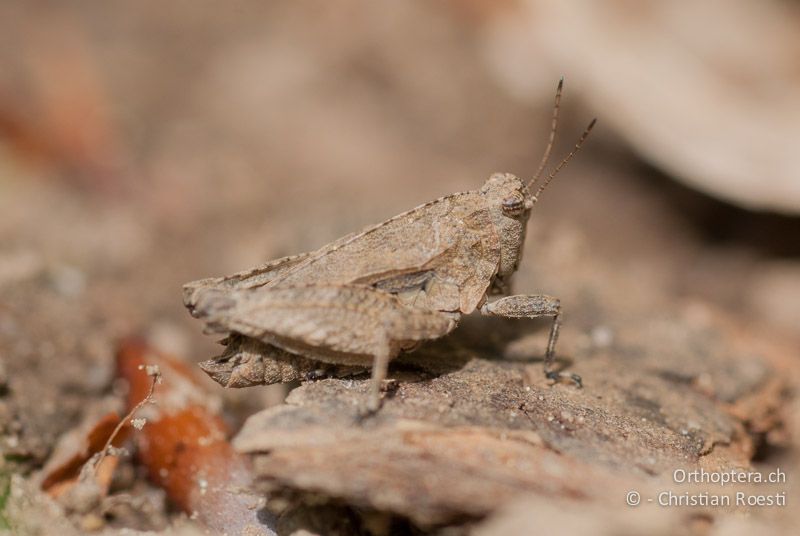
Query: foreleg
(533, 307)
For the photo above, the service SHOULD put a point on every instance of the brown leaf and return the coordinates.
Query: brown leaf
(63, 476)
(184, 446)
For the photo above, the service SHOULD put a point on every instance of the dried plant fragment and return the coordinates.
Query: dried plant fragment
(64, 475)
(184, 445)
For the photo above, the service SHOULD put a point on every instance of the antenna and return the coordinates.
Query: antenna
(552, 139)
(566, 159)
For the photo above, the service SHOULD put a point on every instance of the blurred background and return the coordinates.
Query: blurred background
(145, 144)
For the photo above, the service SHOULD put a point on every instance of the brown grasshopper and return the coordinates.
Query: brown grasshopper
(363, 299)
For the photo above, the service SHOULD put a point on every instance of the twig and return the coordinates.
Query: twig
(155, 374)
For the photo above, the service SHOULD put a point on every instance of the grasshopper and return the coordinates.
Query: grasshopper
(365, 298)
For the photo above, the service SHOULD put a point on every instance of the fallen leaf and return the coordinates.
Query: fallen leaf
(184, 445)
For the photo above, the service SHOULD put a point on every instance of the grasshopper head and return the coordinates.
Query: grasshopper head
(509, 203)
(508, 197)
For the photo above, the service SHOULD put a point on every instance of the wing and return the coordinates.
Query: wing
(441, 256)
(253, 278)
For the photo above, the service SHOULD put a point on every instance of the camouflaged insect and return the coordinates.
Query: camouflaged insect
(363, 299)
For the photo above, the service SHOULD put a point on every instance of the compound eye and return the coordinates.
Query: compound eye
(513, 206)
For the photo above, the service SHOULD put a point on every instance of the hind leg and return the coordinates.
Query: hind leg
(380, 367)
(344, 324)
(247, 361)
